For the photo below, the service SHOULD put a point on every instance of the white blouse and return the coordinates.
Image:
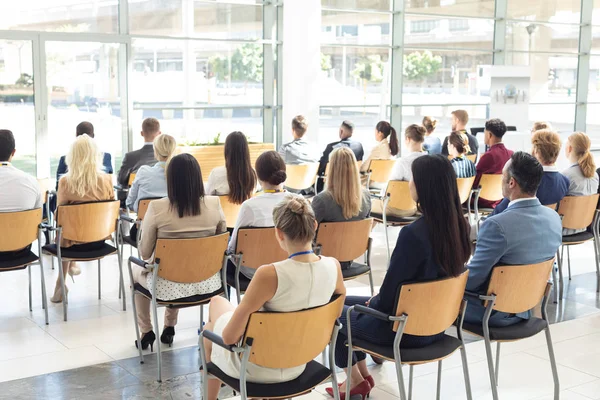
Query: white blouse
(217, 184)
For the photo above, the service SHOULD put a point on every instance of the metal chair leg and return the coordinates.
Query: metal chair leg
(490, 361)
(371, 282)
(44, 297)
(410, 381)
(99, 282)
(65, 295)
(497, 361)
(555, 282)
(30, 299)
(552, 363)
(463, 354)
(158, 350)
(569, 260)
(387, 239)
(560, 278)
(201, 324)
(597, 254)
(400, 379)
(439, 380)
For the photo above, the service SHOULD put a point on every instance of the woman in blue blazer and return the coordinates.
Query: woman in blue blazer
(434, 246)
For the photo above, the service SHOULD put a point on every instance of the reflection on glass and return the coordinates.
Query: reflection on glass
(17, 111)
(202, 126)
(594, 82)
(449, 32)
(383, 5)
(530, 36)
(354, 76)
(61, 16)
(344, 27)
(83, 85)
(566, 11)
(471, 8)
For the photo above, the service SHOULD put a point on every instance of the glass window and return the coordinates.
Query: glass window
(61, 16)
(594, 82)
(383, 5)
(17, 111)
(424, 31)
(529, 36)
(565, 11)
(205, 19)
(345, 27)
(467, 8)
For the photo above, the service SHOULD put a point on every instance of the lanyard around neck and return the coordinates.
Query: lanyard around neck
(301, 253)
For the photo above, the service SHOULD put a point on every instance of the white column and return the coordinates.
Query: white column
(301, 65)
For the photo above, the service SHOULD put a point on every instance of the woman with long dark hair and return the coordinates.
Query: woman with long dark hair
(185, 213)
(387, 145)
(237, 178)
(434, 246)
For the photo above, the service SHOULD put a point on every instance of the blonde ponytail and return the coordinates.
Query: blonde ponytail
(581, 145)
(164, 147)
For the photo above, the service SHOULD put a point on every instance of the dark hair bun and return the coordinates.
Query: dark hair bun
(277, 178)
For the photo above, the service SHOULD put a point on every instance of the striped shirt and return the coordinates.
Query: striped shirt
(463, 167)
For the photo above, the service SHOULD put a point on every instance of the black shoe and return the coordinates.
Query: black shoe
(147, 339)
(167, 335)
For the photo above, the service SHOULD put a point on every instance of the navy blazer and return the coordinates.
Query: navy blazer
(553, 187)
(63, 167)
(525, 233)
(355, 146)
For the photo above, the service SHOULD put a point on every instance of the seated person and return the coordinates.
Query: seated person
(458, 145)
(525, 233)
(413, 139)
(20, 191)
(84, 128)
(459, 121)
(387, 145)
(151, 182)
(299, 151)
(302, 281)
(258, 211)
(492, 162)
(583, 179)
(185, 213)
(133, 160)
(236, 178)
(554, 185)
(346, 130)
(83, 183)
(432, 144)
(343, 198)
(539, 125)
(416, 258)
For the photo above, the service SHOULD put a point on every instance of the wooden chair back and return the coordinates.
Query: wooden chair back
(291, 339)
(143, 207)
(472, 157)
(519, 288)
(578, 211)
(465, 185)
(19, 229)
(301, 176)
(45, 185)
(190, 260)
(88, 222)
(258, 246)
(131, 179)
(344, 241)
(230, 210)
(432, 307)
(400, 197)
(491, 187)
(381, 170)
(552, 206)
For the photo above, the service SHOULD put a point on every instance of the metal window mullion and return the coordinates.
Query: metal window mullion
(499, 45)
(40, 101)
(583, 65)
(279, 74)
(269, 31)
(397, 65)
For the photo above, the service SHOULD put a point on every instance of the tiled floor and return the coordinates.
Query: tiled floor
(95, 351)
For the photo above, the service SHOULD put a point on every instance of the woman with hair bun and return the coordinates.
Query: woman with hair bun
(583, 179)
(458, 146)
(304, 280)
(258, 211)
(387, 145)
(432, 144)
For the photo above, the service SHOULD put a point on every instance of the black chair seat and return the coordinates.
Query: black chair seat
(20, 262)
(66, 252)
(132, 242)
(522, 330)
(437, 350)
(182, 302)
(244, 280)
(354, 270)
(578, 237)
(313, 375)
(395, 220)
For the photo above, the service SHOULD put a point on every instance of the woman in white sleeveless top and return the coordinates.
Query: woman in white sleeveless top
(302, 281)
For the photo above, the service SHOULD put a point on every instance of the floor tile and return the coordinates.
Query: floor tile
(591, 390)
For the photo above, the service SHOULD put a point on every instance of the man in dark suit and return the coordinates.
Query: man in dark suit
(346, 130)
(144, 156)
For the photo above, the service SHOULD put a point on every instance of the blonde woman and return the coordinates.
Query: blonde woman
(541, 125)
(583, 179)
(344, 199)
(152, 181)
(83, 183)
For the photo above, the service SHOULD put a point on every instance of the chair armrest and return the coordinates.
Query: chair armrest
(127, 219)
(479, 296)
(376, 196)
(218, 340)
(46, 227)
(372, 312)
(137, 261)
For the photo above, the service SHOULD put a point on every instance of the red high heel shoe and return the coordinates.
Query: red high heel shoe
(363, 389)
(368, 379)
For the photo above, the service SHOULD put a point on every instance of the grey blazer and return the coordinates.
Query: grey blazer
(133, 161)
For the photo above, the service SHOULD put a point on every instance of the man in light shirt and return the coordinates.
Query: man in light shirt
(20, 191)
